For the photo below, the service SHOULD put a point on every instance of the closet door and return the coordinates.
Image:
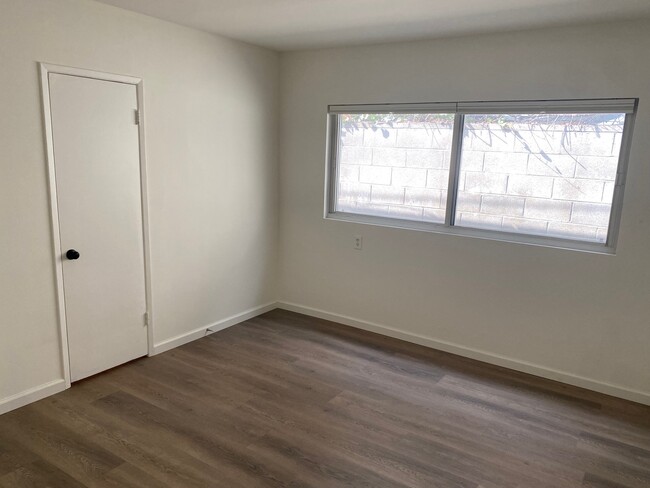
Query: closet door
(97, 171)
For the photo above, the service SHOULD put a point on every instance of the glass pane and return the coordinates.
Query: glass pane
(541, 174)
(394, 165)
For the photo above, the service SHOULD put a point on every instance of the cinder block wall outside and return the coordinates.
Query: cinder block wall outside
(524, 178)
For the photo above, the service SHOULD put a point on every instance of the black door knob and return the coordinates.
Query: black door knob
(72, 254)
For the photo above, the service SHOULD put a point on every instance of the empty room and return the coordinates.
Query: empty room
(325, 243)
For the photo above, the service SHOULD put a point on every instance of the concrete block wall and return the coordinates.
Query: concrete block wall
(552, 182)
(521, 179)
(398, 171)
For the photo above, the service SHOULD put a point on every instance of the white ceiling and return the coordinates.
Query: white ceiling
(301, 24)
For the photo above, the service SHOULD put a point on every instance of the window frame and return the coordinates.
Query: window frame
(628, 106)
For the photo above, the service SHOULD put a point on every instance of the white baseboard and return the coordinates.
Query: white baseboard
(195, 334)
(39, 392)
(487, 357)
(32, 395)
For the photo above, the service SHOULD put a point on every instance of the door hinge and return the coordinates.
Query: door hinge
(146, 319)
(136, 116)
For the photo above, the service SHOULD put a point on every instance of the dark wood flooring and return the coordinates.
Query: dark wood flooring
(285, 400)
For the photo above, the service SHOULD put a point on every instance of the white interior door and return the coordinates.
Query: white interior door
(97, 171)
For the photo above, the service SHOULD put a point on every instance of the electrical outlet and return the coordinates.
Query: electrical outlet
(358, 243)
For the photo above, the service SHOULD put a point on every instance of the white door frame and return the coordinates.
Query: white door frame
(45, 70)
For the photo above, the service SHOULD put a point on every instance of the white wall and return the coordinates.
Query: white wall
(585, 316)
(211, 107)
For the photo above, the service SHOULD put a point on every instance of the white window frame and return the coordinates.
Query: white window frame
(628, 106)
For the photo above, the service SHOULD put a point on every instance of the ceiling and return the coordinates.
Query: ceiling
(302, 24)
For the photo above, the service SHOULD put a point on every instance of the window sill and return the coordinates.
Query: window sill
(530, 240)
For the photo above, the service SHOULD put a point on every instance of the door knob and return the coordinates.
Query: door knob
(72, 254)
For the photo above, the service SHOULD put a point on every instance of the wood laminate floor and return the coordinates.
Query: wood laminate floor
(284, 400)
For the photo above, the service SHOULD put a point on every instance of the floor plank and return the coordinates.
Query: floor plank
(285, 400)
